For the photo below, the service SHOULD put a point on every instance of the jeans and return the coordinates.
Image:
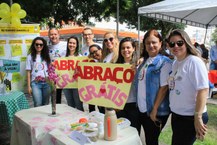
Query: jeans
(183, 129)
(41, 93)
(73, 99)
(152, 129)
(131, 112)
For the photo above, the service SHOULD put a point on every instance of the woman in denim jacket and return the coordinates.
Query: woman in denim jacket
(152, 88)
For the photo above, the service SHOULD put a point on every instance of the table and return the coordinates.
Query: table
(36, 127)
(10, 103)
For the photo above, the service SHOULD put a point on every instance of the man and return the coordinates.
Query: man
(213, 57)
(57, 49)
(88, 38)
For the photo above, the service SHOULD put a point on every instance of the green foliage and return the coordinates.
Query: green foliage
(214, 35)
(210, 138)
(81, 11)
(146, 23)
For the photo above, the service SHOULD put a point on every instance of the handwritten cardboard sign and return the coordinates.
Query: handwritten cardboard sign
(9, 66)
(104, 84)
(66, 70)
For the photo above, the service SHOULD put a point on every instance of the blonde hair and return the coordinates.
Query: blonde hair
(106, 51)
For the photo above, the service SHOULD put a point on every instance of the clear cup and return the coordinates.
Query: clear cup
(2, 89)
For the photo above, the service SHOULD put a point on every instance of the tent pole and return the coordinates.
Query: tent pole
(204, 41)
(138, 52)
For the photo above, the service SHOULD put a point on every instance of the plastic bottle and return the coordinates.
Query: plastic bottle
(110, 125)
(100, 130)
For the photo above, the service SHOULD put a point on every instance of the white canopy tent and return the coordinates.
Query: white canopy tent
(199, 13)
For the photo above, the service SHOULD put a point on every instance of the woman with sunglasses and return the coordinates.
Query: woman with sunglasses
(189, 88)
(110, 48)
(36, 66)
(109, 52)
(72, 95)
(127, 48)
(151, 88)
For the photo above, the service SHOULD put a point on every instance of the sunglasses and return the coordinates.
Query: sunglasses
(92, 53)
(109, 39)
(179, 43)
(37, 44)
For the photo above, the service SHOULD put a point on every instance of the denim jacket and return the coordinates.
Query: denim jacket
(153, 84)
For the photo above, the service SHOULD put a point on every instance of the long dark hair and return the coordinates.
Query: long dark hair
(77, 47)
(120, 57)
(44, 52)
(147, 34)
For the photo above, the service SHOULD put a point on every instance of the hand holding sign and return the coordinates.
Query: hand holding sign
(103, 84)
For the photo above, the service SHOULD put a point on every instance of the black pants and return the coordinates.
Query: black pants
(92, 108)
(152, 129)
(58, 96)
(131, 112)
(183, 129)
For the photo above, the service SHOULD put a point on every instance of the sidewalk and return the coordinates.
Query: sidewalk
(212, 101)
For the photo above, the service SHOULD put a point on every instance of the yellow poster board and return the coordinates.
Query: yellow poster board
(14, 45)
(66, 71)
(104, 84)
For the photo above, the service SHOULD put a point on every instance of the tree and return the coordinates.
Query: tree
(214, 35)
(81, 11)
(146, 23)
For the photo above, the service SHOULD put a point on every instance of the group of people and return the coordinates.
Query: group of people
(161, 86)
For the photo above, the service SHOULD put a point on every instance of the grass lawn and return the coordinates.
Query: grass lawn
(211, 136)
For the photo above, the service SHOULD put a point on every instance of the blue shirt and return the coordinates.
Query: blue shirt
(213, 53)
(153, 85)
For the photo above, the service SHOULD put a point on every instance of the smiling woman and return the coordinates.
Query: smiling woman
(127, 48)
(151, 87)
(36, 66)
(188, 92)
(95, 52)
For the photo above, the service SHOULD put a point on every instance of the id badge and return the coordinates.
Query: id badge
(171, 83)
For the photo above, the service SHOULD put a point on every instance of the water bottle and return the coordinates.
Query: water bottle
(110, 125)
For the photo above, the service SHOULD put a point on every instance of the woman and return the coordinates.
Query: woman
(36, 66)
(109, 52)
(95, 53)
(188, 85)
(110, 48)
(72, 95)
(127, 47)
(151, 87)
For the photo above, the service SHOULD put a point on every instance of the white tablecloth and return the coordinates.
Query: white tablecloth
(35, 127)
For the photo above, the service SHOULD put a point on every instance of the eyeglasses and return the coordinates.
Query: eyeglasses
(92, 53)
(109, 39)
(179, 43)
(37, 44)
